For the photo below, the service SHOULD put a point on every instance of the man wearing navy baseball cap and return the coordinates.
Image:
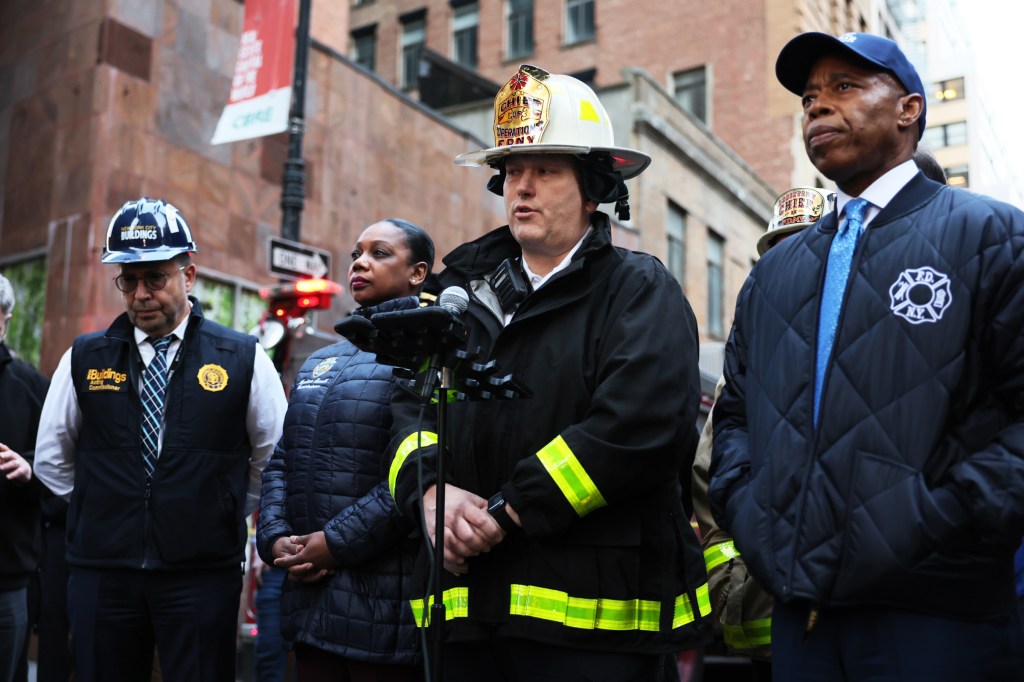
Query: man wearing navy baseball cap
(869, 442)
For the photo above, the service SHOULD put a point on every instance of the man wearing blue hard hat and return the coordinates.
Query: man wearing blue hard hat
(869, 442)
(157, 429)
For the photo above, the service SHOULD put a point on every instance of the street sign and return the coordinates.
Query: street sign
(298, 261)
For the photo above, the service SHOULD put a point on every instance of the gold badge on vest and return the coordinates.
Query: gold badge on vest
(212, 377)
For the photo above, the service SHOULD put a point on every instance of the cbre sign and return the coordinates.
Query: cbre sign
(298, 261)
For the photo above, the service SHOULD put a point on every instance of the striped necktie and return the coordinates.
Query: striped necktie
(837, 272)
(154, 386)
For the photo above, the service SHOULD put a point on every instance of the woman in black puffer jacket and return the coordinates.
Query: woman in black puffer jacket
(326, 514)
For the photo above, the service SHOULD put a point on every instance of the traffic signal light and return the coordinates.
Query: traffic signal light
(297, 298)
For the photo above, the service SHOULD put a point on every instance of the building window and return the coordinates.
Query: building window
(957, 176)
(947, 91)
(414, 34)
(691, 91)
(676, 233)
(465, 25)
(948, 135)
(364, 47)
(25, 330)
(520, 28)
(579, 21)
(716, 284)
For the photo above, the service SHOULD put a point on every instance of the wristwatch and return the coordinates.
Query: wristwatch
(497, 509)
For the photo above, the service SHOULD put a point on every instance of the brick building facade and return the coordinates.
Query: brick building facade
(101, 102)
(730, 44)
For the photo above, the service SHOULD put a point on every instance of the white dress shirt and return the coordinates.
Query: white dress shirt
(880, 192)
(537, 281)
(61, 418)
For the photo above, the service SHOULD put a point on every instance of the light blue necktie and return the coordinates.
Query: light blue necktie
(154, 386)
(837, 272)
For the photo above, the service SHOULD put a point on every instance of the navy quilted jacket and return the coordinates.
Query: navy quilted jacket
(329, 473)
(910, 492)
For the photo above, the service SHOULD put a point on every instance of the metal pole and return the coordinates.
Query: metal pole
(293, 192)
(437, 609)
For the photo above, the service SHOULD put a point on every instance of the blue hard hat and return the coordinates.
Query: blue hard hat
(147, 230)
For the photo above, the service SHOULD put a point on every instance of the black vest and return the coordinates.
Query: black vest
(192, 513)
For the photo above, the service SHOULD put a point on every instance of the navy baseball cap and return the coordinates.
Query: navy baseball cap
(799, 55)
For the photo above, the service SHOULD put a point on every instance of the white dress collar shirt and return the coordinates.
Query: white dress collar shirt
(147, 351)
(536, 281)
(881, 191)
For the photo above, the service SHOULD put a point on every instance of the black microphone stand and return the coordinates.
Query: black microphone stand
(437, 609)
(403, 339)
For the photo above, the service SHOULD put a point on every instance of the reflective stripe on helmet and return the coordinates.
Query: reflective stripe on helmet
(749, 635)
(456, 605)
(414, 441)
(570, 477)
(716, 555)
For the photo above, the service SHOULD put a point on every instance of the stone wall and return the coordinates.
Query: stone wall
(101, 102)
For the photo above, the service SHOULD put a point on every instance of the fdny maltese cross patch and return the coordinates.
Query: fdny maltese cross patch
(212, 377)
(920, 295)
(322, 368)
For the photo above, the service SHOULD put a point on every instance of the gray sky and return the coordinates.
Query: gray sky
(995, 28)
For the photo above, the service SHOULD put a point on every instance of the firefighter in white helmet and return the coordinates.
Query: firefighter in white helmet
(157, 429)
(567, 538)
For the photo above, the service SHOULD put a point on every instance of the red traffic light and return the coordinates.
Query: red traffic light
(293, 300)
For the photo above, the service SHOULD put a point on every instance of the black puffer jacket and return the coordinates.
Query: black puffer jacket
(910, 492)
(329, 473)
(606, 558)
(22, 392)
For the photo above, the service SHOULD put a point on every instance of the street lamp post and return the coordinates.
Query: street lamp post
(294, 184)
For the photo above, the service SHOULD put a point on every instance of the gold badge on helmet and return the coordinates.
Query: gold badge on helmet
(803, 205)
(212, 377)
(521, 109)
(794, 210)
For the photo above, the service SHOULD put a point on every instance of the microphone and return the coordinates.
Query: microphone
(455, 301)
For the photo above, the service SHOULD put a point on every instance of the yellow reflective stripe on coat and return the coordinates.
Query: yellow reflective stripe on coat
(716, 555)
(580, 612)
(684, 615)
(749, 635)
(601, 614)
(414, 441)
(570, 477)
(456, 605)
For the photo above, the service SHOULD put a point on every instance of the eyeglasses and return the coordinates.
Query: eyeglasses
(155, 280)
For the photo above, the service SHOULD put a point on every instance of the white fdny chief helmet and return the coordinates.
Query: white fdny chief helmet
(537, 112)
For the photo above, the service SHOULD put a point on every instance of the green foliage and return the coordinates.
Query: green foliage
(221, 304)
(218, 300)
